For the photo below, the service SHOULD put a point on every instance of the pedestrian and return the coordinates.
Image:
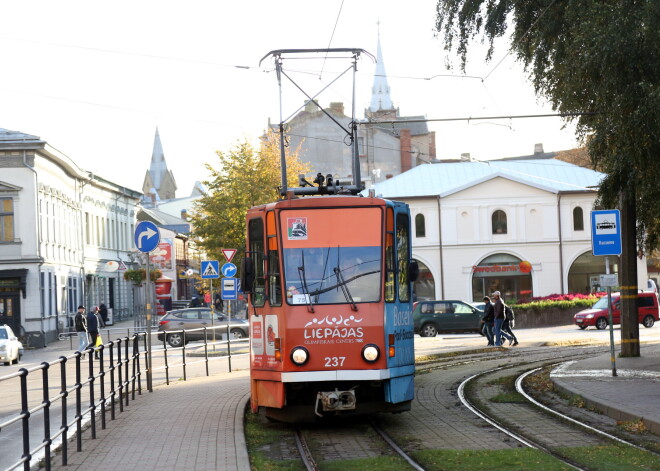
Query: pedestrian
(217, 302)
(94, 323)
(103, 312)
(508, 324)
(80, 323)
(498, 314)
(487, 320)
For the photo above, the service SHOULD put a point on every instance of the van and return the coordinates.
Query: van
(647, 312)
(431, 317)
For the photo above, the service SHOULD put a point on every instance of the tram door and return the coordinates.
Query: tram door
(10, 312)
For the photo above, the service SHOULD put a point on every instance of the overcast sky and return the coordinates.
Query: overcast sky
(96, 79)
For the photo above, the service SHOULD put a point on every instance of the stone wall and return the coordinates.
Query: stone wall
(549, 317)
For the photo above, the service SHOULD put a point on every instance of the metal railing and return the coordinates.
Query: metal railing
(113, 379)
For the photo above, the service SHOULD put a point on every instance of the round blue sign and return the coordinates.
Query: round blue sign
(229, 269)
(147, 236)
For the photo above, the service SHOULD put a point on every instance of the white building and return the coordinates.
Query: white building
(65, 235)
(518, 226)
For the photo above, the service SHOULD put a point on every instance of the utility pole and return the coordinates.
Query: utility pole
(628, 273)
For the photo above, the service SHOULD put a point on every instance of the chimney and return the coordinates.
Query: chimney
(337, 107)
(538, 148)
(406, 158)
(310, 107)
(465, 157)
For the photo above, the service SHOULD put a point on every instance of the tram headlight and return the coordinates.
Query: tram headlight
(370, 353)
(299, 356)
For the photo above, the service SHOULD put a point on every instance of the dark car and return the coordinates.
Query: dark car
(197, 318)
(431, 317)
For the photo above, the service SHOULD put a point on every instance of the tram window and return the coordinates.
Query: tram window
(256, 246)
(402, 251)
(389, 256)
(274, 278)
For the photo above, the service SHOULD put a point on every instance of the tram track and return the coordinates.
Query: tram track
(534, 425)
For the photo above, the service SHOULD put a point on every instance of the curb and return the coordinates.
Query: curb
(608, 410)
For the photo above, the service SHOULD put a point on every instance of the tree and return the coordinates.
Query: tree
(245, 177)
(599, 60)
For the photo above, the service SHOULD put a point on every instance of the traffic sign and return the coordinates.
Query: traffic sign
(606, 232)
(146, 237)
(229, 289)
(229, 269)
(210, 269)
(229, 253)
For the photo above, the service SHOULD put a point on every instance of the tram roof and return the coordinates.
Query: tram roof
(446, 178)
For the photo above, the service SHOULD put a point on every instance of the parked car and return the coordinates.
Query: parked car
(431, 317)
(11, 349)
(196, 318)
(647, 312)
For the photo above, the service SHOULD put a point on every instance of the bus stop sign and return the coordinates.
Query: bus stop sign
(606, 232)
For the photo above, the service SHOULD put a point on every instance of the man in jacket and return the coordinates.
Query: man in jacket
(94, 323)
(498, 314)
(488, 320)
(80, 323)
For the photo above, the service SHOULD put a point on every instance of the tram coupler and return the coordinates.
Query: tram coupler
(335, 400)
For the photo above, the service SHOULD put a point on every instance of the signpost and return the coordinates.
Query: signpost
(606, 240)
(147, 238)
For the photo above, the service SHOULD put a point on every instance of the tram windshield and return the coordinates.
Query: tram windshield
(332, 275)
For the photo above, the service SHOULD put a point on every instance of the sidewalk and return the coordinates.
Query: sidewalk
(189, 425)
(633, 394)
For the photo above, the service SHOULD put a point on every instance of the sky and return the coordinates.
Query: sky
(95, 79)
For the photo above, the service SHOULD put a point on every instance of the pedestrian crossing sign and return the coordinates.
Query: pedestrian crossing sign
(210, 269)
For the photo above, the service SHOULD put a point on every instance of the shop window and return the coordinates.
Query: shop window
(499, 222)
(6, 220)
(578, 219)
(420, 226)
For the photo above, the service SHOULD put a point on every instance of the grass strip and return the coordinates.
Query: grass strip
(492, 460)
(381, 463)
(262, 440)
(612, 457)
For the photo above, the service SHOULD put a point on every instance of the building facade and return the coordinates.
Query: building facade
(521, 227)
(66, 238)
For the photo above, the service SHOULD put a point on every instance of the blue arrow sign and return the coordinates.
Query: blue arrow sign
(229, 269)
(210, 269)
(606, 232)
(229, 289)
(146, 237)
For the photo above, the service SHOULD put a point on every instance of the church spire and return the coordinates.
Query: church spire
(159, 182)
(380, 92)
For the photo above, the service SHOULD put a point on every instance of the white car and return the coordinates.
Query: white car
(11, 349)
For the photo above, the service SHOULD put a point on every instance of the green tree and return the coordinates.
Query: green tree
(244, 177)
(598, 60)
(599, 57)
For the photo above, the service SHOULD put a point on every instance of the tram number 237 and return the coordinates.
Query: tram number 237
(334, 362)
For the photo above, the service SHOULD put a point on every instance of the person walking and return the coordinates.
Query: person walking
(80, 323)
(103, 312)
(507, 325)
(498, 314)
(487, 320)
(94, 323)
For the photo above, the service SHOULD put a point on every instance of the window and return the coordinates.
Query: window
(256, 246)
(420, 226)
(578, 219)
(274, 285)
(499, 222)
(6, 220)
(402, 250)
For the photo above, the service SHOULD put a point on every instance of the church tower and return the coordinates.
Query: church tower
(381, 106)
(159, 184)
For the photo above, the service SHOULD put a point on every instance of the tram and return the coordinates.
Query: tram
(328, 273)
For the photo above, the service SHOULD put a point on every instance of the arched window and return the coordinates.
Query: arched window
(499, 222)
(578, 219)
(420, 226)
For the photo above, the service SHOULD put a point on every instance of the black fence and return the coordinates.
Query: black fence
(43, 407)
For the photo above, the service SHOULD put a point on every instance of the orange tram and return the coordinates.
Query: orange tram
(330, 290)
(328, 273)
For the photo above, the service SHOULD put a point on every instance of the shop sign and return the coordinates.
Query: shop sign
(523, 267)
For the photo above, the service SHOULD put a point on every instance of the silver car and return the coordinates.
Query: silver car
(196, 318)
(11, 349)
